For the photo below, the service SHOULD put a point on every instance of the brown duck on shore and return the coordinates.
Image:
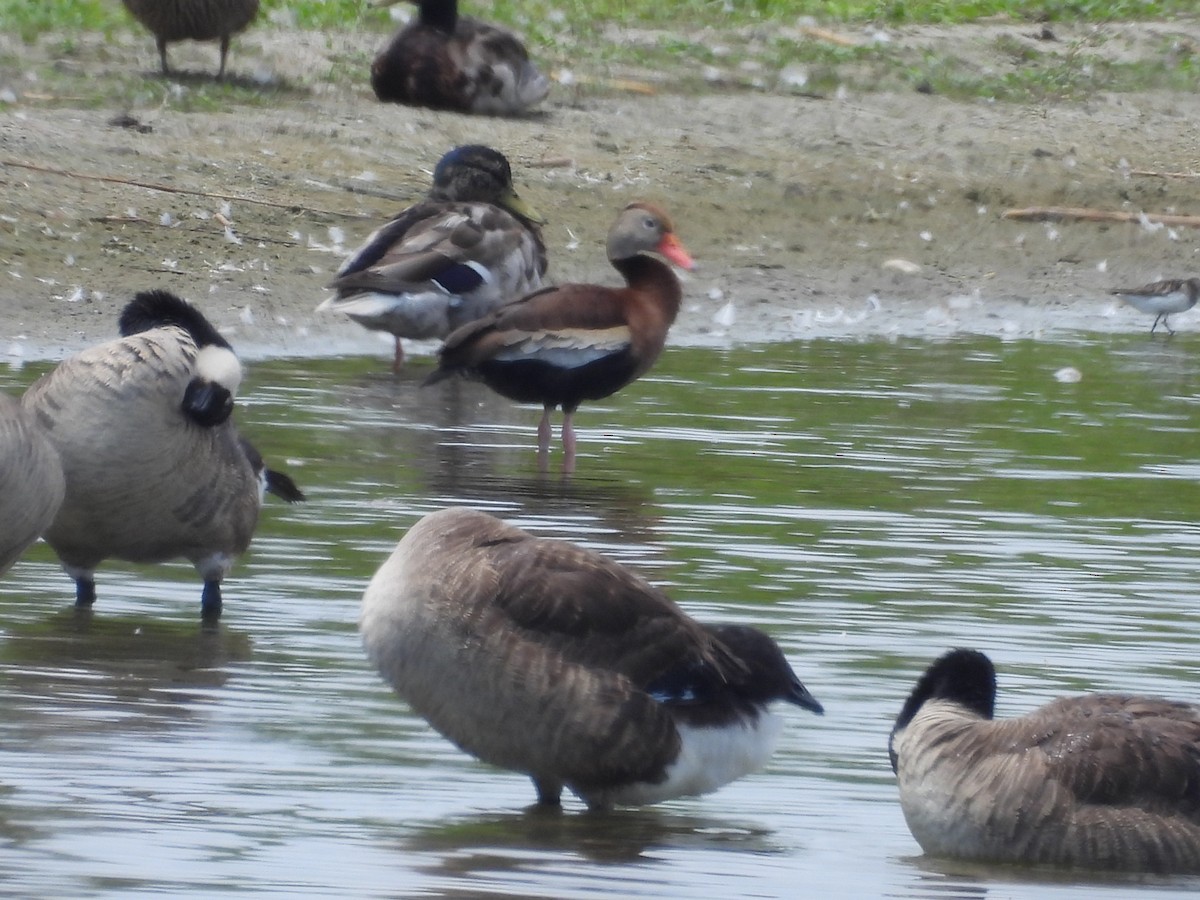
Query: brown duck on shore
(1097, 781)
(545, 658)
(446, 61)
(155, 469)
(193, 20)
(563, 345)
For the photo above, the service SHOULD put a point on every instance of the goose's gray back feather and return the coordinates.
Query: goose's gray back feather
(528, 653)
(1099, 781)
(31, 481)
(144, 482)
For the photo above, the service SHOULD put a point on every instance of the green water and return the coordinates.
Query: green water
(869, 504)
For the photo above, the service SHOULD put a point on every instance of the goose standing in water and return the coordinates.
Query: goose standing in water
(446, 61)
(154, 467)
(563, 345)
(193, 20)
(542, 657)
(31, 481)
(1098, 781)
(471, 245)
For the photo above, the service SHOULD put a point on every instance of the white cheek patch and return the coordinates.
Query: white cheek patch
(219, 365)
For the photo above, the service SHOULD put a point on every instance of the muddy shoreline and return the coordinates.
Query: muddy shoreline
(850, 216)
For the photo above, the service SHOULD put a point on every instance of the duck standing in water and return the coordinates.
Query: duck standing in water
(447, 61)
(577, 342)
(154, 467)
(193, 20)
(545, 658)
(471, 245)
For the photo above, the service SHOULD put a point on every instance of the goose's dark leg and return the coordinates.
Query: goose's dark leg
(210, 600)
(549, 791)
(85, 591)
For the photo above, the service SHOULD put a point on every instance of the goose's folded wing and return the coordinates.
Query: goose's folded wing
(596, 612)
(1124, 750)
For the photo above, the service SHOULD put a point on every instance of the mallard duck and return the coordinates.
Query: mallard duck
(193, 20)
(545, 658)
(155, 468)
(31, 481)
(446, 61)
(1098, 781)
(577, 342)
(469, 246)
(1162, 298)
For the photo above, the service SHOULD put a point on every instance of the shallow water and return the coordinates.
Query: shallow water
(870, 504)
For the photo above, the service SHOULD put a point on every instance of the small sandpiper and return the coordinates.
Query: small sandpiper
(1162, 298)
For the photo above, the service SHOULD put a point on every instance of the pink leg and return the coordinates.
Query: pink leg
(568, 442)
(398, 359)
(544, 440)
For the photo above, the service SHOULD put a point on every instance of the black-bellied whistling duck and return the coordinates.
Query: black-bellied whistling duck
(154, 467)
(1162, 298)
(195, 20)
(1094, 781)
(545, 658)
(447, 61)
(469, 246)
(577, 342)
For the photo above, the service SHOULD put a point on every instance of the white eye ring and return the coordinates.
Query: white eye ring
(649, 222)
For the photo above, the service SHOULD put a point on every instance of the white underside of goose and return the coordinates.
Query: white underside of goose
(709, 758)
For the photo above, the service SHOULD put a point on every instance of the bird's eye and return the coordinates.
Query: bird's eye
(649, 222)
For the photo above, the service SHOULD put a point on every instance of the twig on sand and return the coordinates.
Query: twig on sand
(171, 189)
(1150, 173)
(1084, 214)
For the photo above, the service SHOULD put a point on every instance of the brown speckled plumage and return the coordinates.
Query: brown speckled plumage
(31, 481)
(1097, 781)
(471, 245)
(193, 20)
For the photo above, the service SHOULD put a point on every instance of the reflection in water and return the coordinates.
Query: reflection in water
(116, 671)
(869, 505)
(620, 836)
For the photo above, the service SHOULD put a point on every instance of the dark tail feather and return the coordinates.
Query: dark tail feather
(278, 483)
(282, 486)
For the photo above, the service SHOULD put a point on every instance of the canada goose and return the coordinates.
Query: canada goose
(446, 61)
(542, 657)
(470, 245)
(575, 342)
(1162, 298)
(154, 466)
(193, 20)
(31, 481)
(1102, 781)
